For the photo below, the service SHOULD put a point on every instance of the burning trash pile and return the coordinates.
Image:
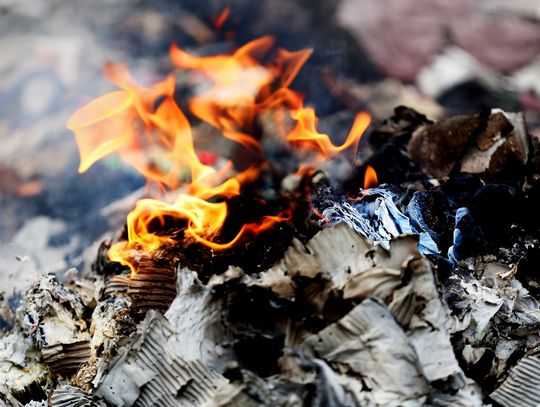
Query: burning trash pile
(268, 265)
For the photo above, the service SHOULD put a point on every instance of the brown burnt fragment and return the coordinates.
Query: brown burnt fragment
(495, 146)
(502, 148)
(116, 285)
(497, 126)
(153, 286)
(66, 358)
(437, 147)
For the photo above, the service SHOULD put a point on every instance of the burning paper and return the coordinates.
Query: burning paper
(141, 123)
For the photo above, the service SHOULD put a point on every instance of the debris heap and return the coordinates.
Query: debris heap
(421, 291)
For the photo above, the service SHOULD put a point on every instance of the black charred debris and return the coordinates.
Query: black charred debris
(422, 291)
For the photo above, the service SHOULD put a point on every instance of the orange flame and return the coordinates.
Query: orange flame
(305, 132)
(370, 178)
(221, 18)
(242, 86)
(128, 122)
(148, 130)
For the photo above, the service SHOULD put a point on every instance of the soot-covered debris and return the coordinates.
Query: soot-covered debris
(421, 291)
(376, 216)
(315, 326)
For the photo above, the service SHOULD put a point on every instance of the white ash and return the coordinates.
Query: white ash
(149, 371)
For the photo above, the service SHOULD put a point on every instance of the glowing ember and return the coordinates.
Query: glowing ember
(370, 178)
(145, 126)
(221, 18)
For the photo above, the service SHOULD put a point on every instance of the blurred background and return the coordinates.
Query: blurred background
(438, 57)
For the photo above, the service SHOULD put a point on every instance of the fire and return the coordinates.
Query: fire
(370, 178)
(221, 18)
(306, 134)
(243, 86)
(145, 126)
